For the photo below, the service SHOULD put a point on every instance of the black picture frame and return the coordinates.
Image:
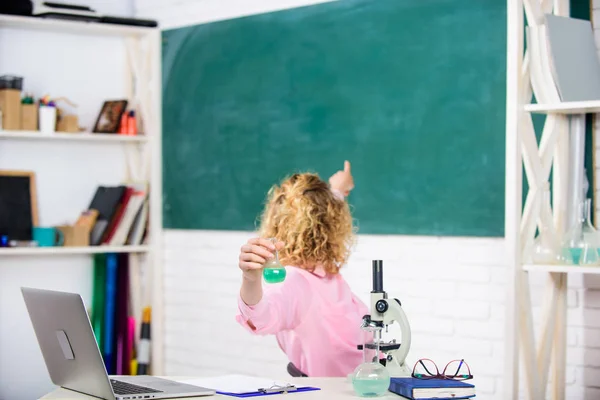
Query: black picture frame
(109, 117)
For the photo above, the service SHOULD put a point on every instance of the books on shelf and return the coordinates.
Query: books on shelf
(139, 226)
(122, 215)
(113, 320)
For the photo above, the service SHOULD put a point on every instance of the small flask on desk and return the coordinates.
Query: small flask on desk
(371, 378)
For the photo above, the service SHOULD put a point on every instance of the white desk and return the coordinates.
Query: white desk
(331, 389)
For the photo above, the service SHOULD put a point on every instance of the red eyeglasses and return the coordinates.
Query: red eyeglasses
(457, 370)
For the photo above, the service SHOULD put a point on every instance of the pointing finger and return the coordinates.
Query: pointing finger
(346, 166)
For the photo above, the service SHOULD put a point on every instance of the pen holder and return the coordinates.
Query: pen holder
(47, 119)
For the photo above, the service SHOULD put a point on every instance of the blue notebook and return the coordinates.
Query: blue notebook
(425, 389)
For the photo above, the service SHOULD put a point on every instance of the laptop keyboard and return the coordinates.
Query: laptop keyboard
(120, 387)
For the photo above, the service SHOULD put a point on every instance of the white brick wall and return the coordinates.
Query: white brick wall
(453, 289)
(444, 296)
(441, 282)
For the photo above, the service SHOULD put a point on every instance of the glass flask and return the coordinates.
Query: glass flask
(371, 379)
(273, 271)
(546, 247)
(581, 241)
(590, 234)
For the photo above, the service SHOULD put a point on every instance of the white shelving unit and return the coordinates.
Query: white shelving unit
(84, 136)
(49, 251)
(567, 108)
(75, 27)
(561, 269)
(543, 356)
(140, 49)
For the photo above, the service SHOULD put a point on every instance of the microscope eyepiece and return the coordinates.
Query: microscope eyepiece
(377, 276)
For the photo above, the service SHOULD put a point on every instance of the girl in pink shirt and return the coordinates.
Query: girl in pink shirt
(313, 314)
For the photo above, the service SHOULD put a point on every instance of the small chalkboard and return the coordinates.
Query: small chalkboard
(18, 204)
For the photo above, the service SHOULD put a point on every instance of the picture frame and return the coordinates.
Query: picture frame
(18, 204)
(109, 117)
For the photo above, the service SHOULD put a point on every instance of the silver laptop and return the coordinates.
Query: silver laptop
(69, 347)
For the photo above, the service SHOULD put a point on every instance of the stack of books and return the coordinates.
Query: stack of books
(122, 215)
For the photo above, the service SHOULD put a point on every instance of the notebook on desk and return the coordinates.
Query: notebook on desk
(425, 389)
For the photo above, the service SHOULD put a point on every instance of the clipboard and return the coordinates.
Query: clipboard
(242, 386)
(276, 389)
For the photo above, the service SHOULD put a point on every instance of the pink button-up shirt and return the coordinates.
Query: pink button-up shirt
(316, 319)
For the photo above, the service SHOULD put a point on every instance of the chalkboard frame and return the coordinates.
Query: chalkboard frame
(32, 190)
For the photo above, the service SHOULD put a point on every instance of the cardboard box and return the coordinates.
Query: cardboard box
(10, 104)
(68, 123)
(29, 117)
(75, 235)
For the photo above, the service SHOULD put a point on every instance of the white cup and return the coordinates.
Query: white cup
(47, 119)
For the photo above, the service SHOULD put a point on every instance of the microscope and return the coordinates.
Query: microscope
(385, 312)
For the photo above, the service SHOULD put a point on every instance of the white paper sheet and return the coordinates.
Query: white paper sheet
(234, 383)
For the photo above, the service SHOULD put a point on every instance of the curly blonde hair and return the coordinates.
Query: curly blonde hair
(316, 226)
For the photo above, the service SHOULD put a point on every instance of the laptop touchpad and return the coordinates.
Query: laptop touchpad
(65, 345)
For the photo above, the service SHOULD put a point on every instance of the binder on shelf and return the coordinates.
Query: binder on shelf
(122, 362)
(132, 206)
(110, 313)
(139, 225)
(572, 57)
(98, 298)
(105, 201)
(118, 213)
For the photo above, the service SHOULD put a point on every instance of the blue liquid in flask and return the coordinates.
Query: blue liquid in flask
(371, 380)
(575, 254)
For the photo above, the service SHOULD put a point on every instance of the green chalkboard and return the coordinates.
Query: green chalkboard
(412, 92)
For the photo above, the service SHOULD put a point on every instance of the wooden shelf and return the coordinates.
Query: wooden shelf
(77, 27)
(574, 269)
(84, 137)
(47, 251)
(577, 107)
